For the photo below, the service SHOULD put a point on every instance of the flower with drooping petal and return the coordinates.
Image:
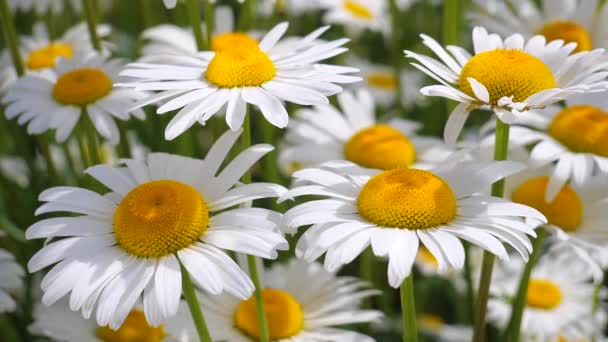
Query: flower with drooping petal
(206, 82)
(395, 211)
(160, 212)
(510, 76)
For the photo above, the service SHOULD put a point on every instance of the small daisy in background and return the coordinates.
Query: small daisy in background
(303, 303)
(573, 21)
(560, 292)
(11, 279)
(40, 52)
(324, 133)
(15, 169)
(399, 210)
(203, 84)
(57, 98)
(127, 242)
(54, 7)
(381, 82)
(357, 15)
(290, 7)
(509, 77)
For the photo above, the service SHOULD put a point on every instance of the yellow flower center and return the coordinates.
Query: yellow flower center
(569, 32)
(380, 147)
(507, 73)
(230, 40)
(159, 218)
(566, 209)
(427, 257)
(430, 322)
(45, 57)
(543, 294)
(240, 67)
(82, 87)
(283, 314)
(357, 10)
(582, 129)
(134, 329)
(407, 199)
(382, 80)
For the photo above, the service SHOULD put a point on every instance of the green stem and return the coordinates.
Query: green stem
(501, 145)
(209, 21)
(513, 329)
(82, 146)
(468, 275)
(397, 57)
(146, 16)
(248, 15)
(366, 263)
(194, 306)
(89, 11)
(124, 148)
(45, 149)
(251, 260)
(194, 16)
(270, 166)
(408, 309)
(92, 142)
(10, 37)
(450, 35)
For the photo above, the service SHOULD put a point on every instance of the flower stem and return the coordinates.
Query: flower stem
(366, 263)
(397, 57)
(194, 16)
(89, 11)
(513, 329)
(90, 132)
(209, 21)
(10, 37)
(251, 260)
(194, 306)
(408, 308)
(501, 145)
(45, 150)
(450, 32)
(468, 275)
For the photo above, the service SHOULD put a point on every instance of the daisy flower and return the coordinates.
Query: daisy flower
(128, 242)
(573, 21)
(398, 210)
(560, 292)
(11, 278)
(381, 81)
(61, 324)
(574, 137)
(40, 52)
(357, 14)
(56, 98)
(297, 309)
(202, 84)
(56, 7)
(324, 133)
(577, 213)
(291, 7)
(510, 76)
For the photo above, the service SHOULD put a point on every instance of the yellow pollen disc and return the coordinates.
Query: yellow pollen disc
(427, 257)
(231, 40)
(240, 67)
(582, 129)
(134, 329)
(407, 199)
(543, 294)
(566, 209)
(82, 87)
(357, 10)
(507, 73)
(380, 147)
(569, 32)
(46, 56)
(385, 81)
(159, 218)
(283, 314)
(430, 322)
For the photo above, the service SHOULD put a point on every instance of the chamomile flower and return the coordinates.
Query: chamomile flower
(574, 137)
(573, 21)
(128, 241)
(510, 76)
(303, 303)
(323, 133)
(381, 81)
(40, 52)
(56, 99)
(11, 278)
(357, 15)
(577, 213)
(248, 72)
(560, 292)
(396, 210)
(291, 7)
(61, 324)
